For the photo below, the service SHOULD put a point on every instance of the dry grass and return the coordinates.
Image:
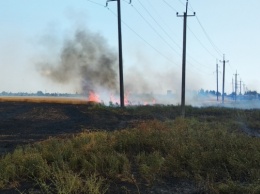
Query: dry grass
(59, 100)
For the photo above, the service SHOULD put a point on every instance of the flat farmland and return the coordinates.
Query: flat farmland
(56, 145)
(27, 120)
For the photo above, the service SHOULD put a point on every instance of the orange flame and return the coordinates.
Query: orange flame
(126, 100)
(93, 97)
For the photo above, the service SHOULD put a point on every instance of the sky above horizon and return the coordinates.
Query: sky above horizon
(36, 31)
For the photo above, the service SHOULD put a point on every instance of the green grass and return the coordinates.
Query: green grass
(206, 149)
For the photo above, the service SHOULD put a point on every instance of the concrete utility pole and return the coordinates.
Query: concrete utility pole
(121, 76)
(240, 93)
(236, 85)
(184, 58)
(223, 86)
(232, 85)
(217, 78)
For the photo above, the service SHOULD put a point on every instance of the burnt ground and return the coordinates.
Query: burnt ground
(24, 123)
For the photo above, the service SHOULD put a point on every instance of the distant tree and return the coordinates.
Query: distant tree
(40, 93)
(253, 93)
(4, 93)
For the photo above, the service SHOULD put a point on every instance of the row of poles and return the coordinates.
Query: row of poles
(121, 79)
(234, 85)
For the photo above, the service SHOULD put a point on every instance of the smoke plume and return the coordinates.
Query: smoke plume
(86, 60)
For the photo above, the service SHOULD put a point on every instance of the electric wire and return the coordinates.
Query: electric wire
(151, 26)
(99, 4)
(163, 21)
(170, 6)
(209, 39)
(169, 36)
(201, 42)
(158, 51)
(182, 3)
(206, 34)
(155, 49)
(150, 45)
(173, 40)
(202, 71)
(166, 33)
(193, 34)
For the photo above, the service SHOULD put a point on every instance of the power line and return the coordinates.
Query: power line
(197, 69)
(151, 26)
(182, 3)
(230, 67)
(150, 45)
(173, 40)
(194, 36)
(99, 4)
(209, 39)
(166, 25)
(169, 5)
(155, 49)
(201, 71)
(201, 43)
(138, 35)
(167, 34)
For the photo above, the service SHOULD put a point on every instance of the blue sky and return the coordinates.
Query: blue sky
(152, 41)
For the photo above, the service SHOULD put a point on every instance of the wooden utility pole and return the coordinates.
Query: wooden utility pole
(184, 58)
(223, 84)
(120, 53)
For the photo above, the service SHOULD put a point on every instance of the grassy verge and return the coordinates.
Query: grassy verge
(209, 154)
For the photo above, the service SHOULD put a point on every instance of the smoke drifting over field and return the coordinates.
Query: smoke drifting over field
(87, 64)
(84, 60)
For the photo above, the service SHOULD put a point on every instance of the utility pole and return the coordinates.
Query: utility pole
(217, 78)
(223, 84)
(232, 85)
(236, 85)
(120, 53)
(240, 87)
(233, 88)
(184, 58)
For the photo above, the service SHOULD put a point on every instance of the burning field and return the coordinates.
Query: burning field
(89, 144)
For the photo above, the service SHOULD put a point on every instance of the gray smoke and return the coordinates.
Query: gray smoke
(85, 60)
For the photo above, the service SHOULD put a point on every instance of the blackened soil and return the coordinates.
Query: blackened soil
(23, 122)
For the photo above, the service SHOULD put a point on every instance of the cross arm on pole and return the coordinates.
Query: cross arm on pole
(109, 1)
(185, 13)
(194, 13)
